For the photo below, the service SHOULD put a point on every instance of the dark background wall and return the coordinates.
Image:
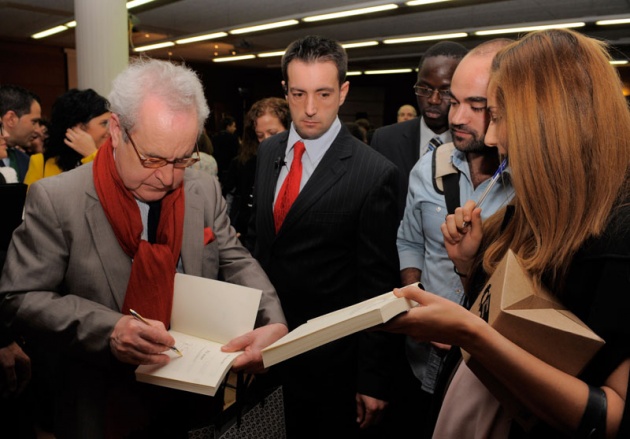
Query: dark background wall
(229, 89)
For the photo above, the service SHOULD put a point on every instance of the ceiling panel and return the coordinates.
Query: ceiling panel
(170, 19)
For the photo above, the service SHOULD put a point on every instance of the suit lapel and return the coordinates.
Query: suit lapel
(331, 168)
(116, 264)
(270, 171)
(192, 245)
(415, 141)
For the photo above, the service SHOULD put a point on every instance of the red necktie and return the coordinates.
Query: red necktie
(290, 187)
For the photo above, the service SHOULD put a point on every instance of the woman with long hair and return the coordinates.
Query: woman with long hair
(264, 119)
(558, 113)
(78, 127)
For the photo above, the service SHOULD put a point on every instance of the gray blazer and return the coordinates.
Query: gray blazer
(65, 277)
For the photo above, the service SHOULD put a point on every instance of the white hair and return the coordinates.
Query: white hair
(178, 85)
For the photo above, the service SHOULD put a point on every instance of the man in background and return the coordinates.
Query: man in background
(324, 229)
(225, 144)
(406, 112)
(404, 143)
(20, 111)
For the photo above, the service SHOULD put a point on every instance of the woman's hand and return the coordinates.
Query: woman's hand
(436, 319)
(80, 141)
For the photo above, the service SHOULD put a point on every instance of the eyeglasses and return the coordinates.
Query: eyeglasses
(158, 162)
(427, 92)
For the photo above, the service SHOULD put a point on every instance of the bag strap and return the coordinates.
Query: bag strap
(446, 176)
(451, 192)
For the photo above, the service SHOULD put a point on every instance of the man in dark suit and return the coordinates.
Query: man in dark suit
(335, 246)
(404, 143)
(20, 112)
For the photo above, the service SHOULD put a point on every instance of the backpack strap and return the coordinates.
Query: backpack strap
(446, 176)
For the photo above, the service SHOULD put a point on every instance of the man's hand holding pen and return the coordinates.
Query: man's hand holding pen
(136, 342)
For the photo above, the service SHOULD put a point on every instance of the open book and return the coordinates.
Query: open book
(335, 325)
(206, 315)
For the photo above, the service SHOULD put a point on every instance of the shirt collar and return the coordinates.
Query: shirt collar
(315, 148)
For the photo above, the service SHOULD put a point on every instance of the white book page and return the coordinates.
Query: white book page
(211, 309)
(202, 363)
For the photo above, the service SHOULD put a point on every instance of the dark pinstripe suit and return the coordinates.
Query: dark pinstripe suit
(337, 246)
(400, 143)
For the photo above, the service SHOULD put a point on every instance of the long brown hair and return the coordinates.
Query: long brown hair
(566, 126)
(274, 106)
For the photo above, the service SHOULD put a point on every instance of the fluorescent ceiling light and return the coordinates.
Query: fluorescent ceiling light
(387, 72)
(202, 38)
(72, 23)
(529, 28)
(359, 44)
(135, 3)
(233, 58)
(154, 46)
(424, 2)
(350, 13)
(271, 54)
(425, 38)
(619, 62)
(260, 27)
(616, 21)
(357, 73)
(49, 32)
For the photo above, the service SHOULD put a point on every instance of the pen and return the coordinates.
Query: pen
(140, 318)
(493, 181)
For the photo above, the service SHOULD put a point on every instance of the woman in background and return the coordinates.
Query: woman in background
(265, 118)
(78, 127)
(565, 127)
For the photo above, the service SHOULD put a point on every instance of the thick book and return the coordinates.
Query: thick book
(206, 315)
(335, 325)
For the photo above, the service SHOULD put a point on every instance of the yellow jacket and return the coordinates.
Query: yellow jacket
(38, 170)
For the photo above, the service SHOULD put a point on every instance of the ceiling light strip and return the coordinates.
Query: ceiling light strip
(359, 44)
(135, 3)
(204, 37)
(615, 21)
(234, 58)
(529, 28)
(49, 32)
(350, 13)
(266, 26)
(387, 72)
(425, 38)
(154, 46)
(271, 54)
(424, 2)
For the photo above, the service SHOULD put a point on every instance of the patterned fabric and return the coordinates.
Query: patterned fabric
(291, 186)
(265, 420)
(434, 143)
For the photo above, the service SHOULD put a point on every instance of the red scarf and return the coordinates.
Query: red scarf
(150, 287)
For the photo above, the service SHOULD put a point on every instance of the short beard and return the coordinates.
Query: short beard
(474, 144)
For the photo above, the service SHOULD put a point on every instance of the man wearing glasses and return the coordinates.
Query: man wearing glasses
(404, 143)
(109, 237)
